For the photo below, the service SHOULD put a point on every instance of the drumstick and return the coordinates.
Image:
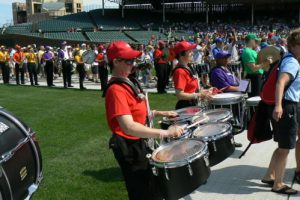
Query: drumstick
(195, 123)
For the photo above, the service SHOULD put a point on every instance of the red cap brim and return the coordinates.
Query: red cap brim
(131, 54)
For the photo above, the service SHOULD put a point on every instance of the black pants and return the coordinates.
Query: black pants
(131, 157)
(49, 73)
(5, 72)
(103, 75)
(162, 76)
(81, 72)
(19, 69)
(255, 84)
(32, 73)
(185, 103)
(67, 72)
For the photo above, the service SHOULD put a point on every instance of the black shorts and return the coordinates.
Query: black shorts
(285, 130)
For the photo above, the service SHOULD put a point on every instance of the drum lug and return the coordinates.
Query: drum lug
(190, 169)
(154, 171)
(166, 173)
(206, 160)
(214, 145)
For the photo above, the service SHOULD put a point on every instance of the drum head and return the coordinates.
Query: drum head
(189, 111)
(253, 101)
(227, 98)
(218, 115)
(212, 130)
(179, 150)
(178, 119)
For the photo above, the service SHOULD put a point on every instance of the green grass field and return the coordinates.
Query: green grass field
(73, 137)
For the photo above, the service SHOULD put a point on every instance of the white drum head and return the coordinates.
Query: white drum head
(179, 150)
(217, 115)
(227, 95)
(253, 101)
(189, 111)
(213, 130)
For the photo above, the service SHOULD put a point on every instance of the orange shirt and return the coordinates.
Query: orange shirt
(18, 56)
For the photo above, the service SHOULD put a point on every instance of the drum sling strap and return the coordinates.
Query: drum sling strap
(192, 71)
(132, 83)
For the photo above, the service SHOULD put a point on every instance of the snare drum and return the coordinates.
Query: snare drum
(20, 159)
(186, 134)
(185, 115)
(235, 102)
(217, 115)
(180, 167)
(219, 139)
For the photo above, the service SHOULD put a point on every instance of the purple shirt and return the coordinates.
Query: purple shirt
(47, 55)
(221, 78)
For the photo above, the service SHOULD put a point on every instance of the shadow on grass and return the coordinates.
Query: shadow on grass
(112, 174)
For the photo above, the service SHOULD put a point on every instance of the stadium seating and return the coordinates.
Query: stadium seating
(19, 29)
(112, 20)
(76, 21)
(144, 36)
(76, 36)
(108, 36)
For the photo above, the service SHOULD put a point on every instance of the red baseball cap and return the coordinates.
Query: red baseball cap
(183, 46)
(271, 34)
(122, 50)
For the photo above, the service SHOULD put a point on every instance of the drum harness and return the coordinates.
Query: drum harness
(136, 87)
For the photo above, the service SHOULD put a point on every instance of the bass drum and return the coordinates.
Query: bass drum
(20, 159)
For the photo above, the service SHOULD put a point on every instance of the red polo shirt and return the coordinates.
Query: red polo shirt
(184, 81)
(120, 101)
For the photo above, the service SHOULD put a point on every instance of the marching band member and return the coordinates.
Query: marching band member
(285, 115)
(102, 67)
(185, 77)
(48, 57)
(32, 69)
(161, 67)
(4, 58)
(63, 55)
(19, 58)
(126, 113)
(80, 68)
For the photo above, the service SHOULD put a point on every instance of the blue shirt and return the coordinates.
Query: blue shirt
(215, 51)
(291, 66)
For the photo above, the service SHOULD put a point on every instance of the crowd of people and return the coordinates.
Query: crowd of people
(31, 63)
(178, 64)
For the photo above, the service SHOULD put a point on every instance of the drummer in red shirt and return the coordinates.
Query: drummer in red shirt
(185, 77)
(126, 114)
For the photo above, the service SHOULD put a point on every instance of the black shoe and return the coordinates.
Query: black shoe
(83, 88)
(52, 85)
(236, 144)
(297, 177)
(36, 84)
(70, 86)
(65, 86)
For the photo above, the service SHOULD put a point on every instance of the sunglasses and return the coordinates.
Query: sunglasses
(127, 61)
